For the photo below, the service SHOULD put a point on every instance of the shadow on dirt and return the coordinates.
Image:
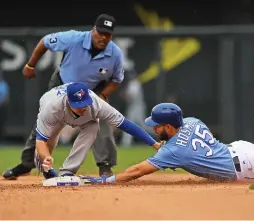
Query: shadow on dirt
(136, 183)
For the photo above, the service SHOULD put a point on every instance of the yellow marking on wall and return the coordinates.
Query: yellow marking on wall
(174, 50)
(150, 73)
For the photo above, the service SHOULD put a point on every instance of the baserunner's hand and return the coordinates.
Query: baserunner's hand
(157, 145)
(94, 180)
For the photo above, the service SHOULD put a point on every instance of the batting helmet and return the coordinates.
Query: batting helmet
(165, 113)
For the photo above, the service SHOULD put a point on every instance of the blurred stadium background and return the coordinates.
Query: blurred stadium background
(198, 54)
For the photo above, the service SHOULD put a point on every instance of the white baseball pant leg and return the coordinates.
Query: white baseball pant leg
(80, 148)
(244, 150)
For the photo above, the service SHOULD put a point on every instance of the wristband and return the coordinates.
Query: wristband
(29, 67)
(103, 96)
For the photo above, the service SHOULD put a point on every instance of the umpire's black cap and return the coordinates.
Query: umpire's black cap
(105, 23)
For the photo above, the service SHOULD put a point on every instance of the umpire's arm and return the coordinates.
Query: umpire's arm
(60, 41)
(116, 80)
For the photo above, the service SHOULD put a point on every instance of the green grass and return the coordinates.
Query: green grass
(10, 156)
(251, 186)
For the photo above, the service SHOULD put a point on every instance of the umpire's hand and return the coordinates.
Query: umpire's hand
(29, 71)
(103, 97)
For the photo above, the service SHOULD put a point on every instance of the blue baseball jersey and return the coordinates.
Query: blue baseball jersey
(78, 65)
(195, 150)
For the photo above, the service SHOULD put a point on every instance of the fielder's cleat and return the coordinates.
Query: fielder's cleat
(50, 174)
(105, 170)
(13, 173)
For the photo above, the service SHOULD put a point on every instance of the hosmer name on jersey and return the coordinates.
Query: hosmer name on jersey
(185, 134)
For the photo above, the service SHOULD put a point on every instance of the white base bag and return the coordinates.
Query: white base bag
(66, 181)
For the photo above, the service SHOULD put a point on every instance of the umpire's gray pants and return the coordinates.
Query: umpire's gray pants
(104, 148)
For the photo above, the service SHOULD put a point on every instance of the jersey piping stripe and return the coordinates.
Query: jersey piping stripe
(120, 122)
(42, 134)
(160, 168)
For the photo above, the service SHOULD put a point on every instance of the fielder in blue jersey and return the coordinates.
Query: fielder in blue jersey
(190, 145)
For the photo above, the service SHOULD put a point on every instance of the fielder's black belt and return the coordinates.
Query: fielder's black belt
(236, 162)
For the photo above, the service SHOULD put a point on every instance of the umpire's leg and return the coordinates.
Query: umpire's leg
(104, 148)
(27, 155)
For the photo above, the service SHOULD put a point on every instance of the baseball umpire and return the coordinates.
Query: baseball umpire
(92, 58)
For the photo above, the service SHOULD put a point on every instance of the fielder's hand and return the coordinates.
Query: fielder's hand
(29, 72)
(47, 163)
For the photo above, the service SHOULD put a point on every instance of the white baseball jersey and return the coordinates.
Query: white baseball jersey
(54, 112)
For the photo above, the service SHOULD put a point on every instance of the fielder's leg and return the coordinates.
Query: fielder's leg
(80, 149)
(27, 155)
(67, 135)
(104, 149)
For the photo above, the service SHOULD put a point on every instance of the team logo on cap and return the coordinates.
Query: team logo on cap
(108, 23)
(79, 94)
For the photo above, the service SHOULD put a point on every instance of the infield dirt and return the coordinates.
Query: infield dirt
(157, 196)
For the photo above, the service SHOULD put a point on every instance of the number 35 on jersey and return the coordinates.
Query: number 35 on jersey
(201, 138)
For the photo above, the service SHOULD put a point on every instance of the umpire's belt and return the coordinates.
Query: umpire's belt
(236, 160)
(59, 77)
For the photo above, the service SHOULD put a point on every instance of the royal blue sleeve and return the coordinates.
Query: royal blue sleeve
(136, 131)
(40, 136)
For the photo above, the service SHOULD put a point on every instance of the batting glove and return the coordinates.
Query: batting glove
(94, 180)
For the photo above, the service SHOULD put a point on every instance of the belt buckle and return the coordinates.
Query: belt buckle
(237, 164)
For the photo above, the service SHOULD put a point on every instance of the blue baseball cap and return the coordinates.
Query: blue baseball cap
(165, 113)
(78, 95)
